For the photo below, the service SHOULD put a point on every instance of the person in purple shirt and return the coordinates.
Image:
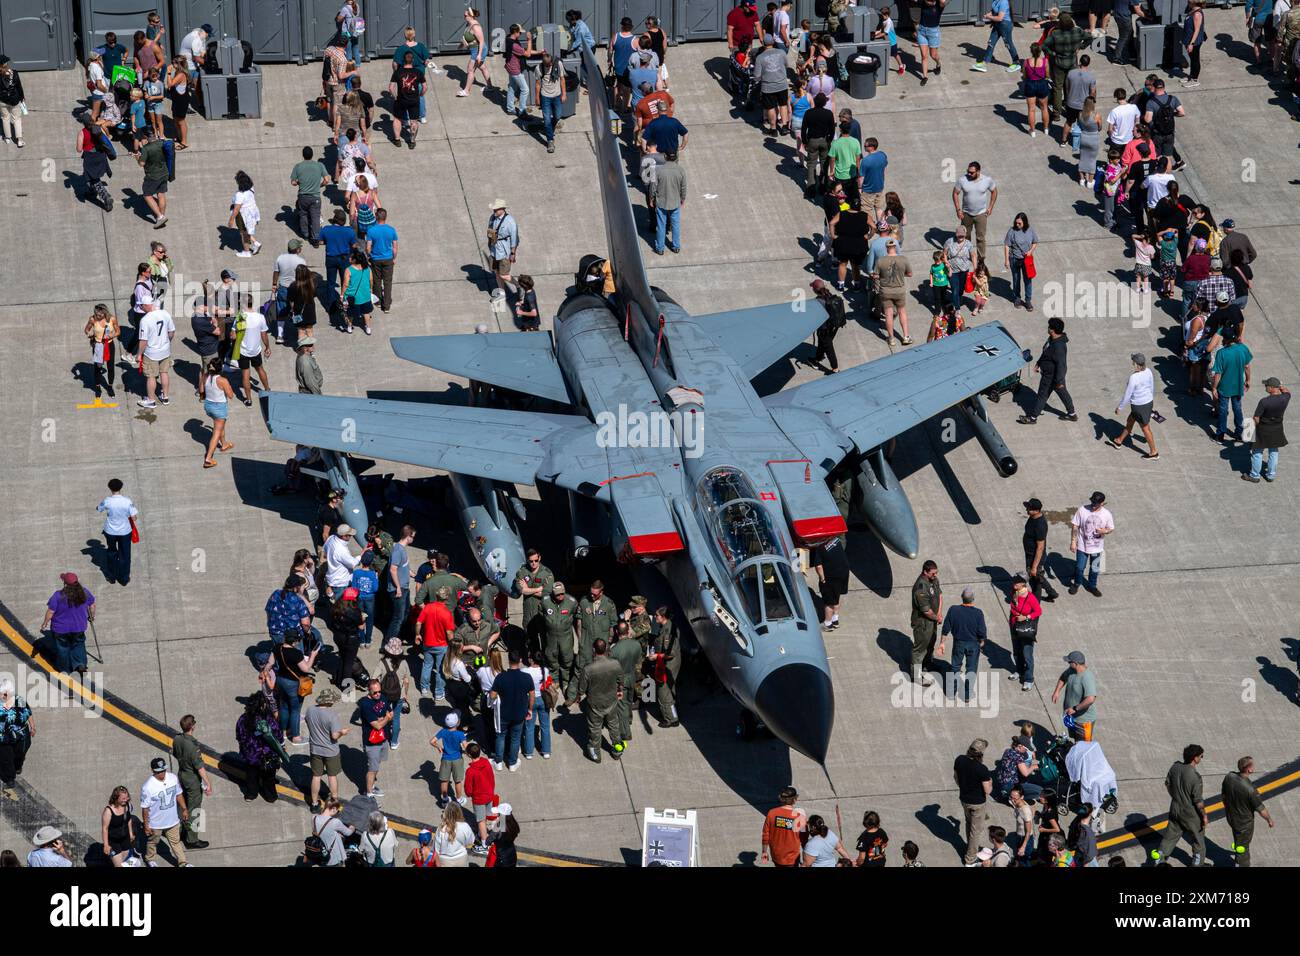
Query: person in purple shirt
(67, 615)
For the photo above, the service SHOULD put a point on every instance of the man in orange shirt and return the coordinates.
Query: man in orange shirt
(432, 628)
(781, 829)
(654, 104)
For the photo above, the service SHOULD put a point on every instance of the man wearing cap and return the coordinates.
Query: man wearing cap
(597, 615)
(1241, 801)
(1080, 687)
(1233, 241)
(891, 275)
(1139, 396)
(965, 623)
(638, 618)
(601, 688)
(533, 582)
(974, 786)
(1187, 816)
(50, 849)
(305, 368)
(560, 627)
(1088, 529)
(324, 731)
(769, 72)
(1269, 435)
(282, 276)
(927, 601)
(381, 247)
(193, 775)
(1035, 546)
(1230, 381)
(433, 629)
(669, 200)
(742, 25)
(1214, 286)
(162, 808)
(503, 243)
(340, 562)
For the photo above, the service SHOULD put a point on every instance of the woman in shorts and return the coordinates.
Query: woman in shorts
(217, 394)
(356, 283)
(178, 90)
(927, 35)
(478, 52)
(1037, 89)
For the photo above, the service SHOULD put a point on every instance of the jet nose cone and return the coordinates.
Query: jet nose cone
(797, 704)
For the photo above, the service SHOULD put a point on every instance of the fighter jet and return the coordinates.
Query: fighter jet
(711, 483)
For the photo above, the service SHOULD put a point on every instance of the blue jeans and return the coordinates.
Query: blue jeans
(1076, 133)
(395, 728)
(1189, 296)
(433, 665)
(1257, 458)
(352, 47)
(281, 301)
(286, 694)
(1085, 561)
(550, 113)
(424, 110)
(367, 605)
(70, 654)
(956, 288)
(1224, 401)
(1017, 277)
(517, 94)
(1001, 31)
(1023, 652)
(967, 653)
(541, 718)
(507, 743)
(119, 556)
(335, 266)
(666, 219)
(400, 606)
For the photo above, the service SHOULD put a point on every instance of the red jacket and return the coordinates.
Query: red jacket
(480, 781)
(1026, 605)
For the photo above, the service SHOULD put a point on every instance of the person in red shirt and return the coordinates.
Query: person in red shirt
(480, 787)
(781, 831)
(742, 24)
(432, 629)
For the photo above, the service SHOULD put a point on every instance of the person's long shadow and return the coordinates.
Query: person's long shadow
(788, 166)
(1063, 165)
(200, 431)
(97, 552)
(1012, 117)
(897, 647)
(1281, 679)
(227, 238)
(945, 828)
(483, 280)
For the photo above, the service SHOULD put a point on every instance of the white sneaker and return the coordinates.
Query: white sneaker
(461, 93)
(1033, 134)
(1029, 685)
(498, 766)
(393, 746)
(1013, 676)
(528, 756)
(546, 756)
(244, 254)
(463, 801)
(514, 767)
(146, 403)
(424, 120)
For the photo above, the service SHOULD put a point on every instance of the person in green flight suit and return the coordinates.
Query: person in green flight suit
(664, 663)
(601, 688)
(637, 616)
(597, 616)
(534, 582)
(560, 629)
(194, 780)
(442, 577)
(485, 597)
(629, 655)
(477, 633)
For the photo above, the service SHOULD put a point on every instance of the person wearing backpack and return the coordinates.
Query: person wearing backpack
(1161, 112)
(379, 842)
(826, 332)
(326, 846)
(395, 684)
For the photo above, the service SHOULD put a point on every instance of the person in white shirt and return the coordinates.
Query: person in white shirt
(1088, 530)
(1157, 186)
(1122, 120)
(378, 843)
(162, 808)
(1139, 396)
(244, 215)
(155, 357)
(453, 838)
(253, 342)
(194, 48)
(118, 510)
(340, 562)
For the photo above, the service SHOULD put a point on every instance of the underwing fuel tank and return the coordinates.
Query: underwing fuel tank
(885, 507)
(488, 514)
(978, 417)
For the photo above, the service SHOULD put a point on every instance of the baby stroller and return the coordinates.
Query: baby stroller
(740, 80)
(1078, 773)
(1005, 386)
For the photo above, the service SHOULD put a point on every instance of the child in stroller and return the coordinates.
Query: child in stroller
(1078, 773)
(741, 81)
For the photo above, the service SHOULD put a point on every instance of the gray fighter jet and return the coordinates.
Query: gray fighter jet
(669, 456)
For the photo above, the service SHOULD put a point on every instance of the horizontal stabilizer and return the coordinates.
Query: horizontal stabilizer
(809, 506)
(643, 517)
(520, 361)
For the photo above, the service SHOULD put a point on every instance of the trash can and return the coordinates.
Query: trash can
(862, 67)
(572, 89)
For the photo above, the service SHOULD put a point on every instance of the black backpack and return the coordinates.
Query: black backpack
(1162, 123)
(391, 685)
(835, 317)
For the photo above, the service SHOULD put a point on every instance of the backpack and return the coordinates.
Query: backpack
(1163, 121)
(391, 685)
(835, 317)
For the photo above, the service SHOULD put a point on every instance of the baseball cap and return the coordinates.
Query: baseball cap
(157, 764)
(306, 340)
(984, 855)
(452, 720)
(891, 243)
(1022, 741)
(67, 577)
(1033, 504)
(978, 745)
(882, 226)
(345, 531)
(1216, 262)
(1097, 498)
(426, 837)
(638, 600)
(1272, 382)
(1228, 224)
(295, 245)
(1223, 297)
(557, 587)
(647, 86)
(46, 835)
(229, 274)
(351, 594)
(208, 28)
(1075, 657)
(768, 39)
(328, 697)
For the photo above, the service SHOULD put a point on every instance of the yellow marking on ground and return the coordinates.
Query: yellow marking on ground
(98, 404)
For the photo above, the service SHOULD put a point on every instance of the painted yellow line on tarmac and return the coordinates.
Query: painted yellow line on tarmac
(98, 404)
(144, 729)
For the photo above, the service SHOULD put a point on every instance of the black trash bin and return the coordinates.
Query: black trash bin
(862, 67)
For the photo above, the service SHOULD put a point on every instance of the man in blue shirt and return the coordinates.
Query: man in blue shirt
(965, 623)
(642, 72)
(871, 178)
(399, 582)
(579, 32)
(339, 238)
(114, 54)
(512, 695)
(366, 581)
(1000, 26)
(665, 133)
(381, 247)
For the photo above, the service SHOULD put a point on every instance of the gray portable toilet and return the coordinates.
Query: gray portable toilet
(319, 26)
(447, 24)
(862, 22)
(188, 14)
(386, 19)
(37, 34)
(502, 13)
(124, 17)
(957, 11)
(702, 20)
(274, 28)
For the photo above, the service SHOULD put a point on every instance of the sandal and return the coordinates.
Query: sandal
(209, 463)
(182, 146)
(227, 446)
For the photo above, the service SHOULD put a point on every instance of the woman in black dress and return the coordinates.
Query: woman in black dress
(118, 829)
(850, 245)
(302, 300)
(178, 90)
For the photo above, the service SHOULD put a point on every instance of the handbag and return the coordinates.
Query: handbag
(1248, 430)
(970, 282)
(135, 532)
(306, 684)
(1025, 630)
(1030, 270)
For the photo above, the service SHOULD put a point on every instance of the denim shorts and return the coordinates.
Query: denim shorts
(928, 36)
(217, 411)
